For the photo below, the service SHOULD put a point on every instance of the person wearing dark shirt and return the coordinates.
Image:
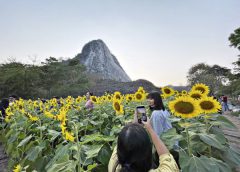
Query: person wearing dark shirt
(3, 106)
(225, 103)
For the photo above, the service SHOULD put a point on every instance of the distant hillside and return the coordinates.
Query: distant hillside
(102, 86)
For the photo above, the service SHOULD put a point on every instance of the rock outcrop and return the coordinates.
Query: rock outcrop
(98, 60)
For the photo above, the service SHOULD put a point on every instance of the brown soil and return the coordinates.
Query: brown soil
(233, 135)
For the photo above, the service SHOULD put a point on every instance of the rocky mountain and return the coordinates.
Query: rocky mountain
(98, 60)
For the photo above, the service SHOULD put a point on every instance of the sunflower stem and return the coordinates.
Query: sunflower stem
(189, 143)
(207, 131)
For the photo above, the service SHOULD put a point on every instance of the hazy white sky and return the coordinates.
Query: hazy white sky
(157, 40)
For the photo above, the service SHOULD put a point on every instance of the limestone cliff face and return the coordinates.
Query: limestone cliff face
(98, 60)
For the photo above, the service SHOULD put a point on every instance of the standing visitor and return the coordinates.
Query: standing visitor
(225, 103)
(3, 106)
(89, 104)
(12, 99)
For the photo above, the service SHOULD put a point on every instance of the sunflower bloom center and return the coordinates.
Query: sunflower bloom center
(196, 96)
(201, 89)
(138, 96)
(207, 105)
(167, 91)
(117, 106)
(184, 107)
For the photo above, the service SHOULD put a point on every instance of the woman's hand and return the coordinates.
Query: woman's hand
(135, 119)
(147, 124)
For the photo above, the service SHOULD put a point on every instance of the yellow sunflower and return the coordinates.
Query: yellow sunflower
(196, 94)
(94, 99)
(184, 107)
(209, 105)
(69, 136)
(117, 106)
(141, 89)
(78, 99)
(17, 168)
(129, 97)
(162, 96)
(167, 92)
(117, 95)
(139, 96)
(109, 98)
(184, 92)
(201, 87)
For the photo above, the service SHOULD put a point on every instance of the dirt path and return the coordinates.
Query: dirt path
(3, 159)
(233, 135)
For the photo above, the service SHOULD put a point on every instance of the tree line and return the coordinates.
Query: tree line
(52, 78)
(221, 80)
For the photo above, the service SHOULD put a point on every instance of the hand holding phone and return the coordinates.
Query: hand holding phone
(141, 110)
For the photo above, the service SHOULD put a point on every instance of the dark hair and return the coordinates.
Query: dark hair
(4, 103)
(91, 93)
(3, 106)
(134, 149)
(157, 101)
(14, 96)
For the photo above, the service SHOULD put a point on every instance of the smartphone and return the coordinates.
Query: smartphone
(142, 111)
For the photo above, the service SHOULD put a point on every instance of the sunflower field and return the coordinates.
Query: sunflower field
(61, 135)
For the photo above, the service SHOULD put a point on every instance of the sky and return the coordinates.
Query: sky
(157, 40)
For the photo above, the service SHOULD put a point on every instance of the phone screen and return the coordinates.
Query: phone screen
(141, 109)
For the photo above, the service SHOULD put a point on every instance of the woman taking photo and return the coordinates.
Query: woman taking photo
(133, 152)
(159, 117)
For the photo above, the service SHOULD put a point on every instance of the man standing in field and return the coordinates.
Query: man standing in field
(225, 103)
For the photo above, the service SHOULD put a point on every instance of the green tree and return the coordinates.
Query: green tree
(234, 39)
(216, 77)
(52, 78)
(17, 78)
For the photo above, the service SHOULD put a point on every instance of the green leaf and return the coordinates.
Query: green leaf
(104, 154)
(231, 156)
(223, 167)
(25, 141)
(67, 166)
(225, 122)
(170, 138)
(201, 164)
(83, 156)
(93, 152)
(33, 153)
(211, 140)
(42, 128)
(61, 150)
(97, 138)
(92, 166)
(54, 134)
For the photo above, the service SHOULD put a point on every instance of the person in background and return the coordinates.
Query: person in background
(225, 103)
(12, 99)
(133, 152)
(3, 106)
(89, 104)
